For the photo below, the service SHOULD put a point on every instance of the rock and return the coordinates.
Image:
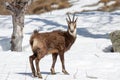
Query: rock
(115, 39)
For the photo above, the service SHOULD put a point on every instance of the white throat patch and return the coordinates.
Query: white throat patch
(73, 33)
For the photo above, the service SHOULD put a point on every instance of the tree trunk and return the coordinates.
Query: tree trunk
(17, 9)
(17, 35)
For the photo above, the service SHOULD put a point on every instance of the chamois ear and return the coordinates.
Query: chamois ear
(35, 31)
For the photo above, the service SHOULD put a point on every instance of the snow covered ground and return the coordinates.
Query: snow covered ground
(88, 59)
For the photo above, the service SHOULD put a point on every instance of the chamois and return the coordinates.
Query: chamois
(56, 43)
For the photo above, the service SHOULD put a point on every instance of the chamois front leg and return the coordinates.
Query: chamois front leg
(31, 58)
(54, 57)
(37, 68)
(63, 65)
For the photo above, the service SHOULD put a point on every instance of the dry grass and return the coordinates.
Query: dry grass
(104, 1)
(106, 7)
(2, 8)
(39, 6)
(112, 7)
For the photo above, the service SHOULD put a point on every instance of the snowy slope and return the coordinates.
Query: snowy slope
(88, 59)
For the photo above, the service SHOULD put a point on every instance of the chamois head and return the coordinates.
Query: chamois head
(71, 25)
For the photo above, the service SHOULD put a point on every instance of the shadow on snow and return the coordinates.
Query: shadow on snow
(46, 23)
(80, 31)
(30, 74)
(5, 43)
(85, 33)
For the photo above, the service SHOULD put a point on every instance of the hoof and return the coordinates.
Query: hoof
(34, 74)
(39, 75)
(65, 72)
(52, 71)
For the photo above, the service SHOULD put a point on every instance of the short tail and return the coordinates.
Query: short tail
(35, 31)
(32, 37)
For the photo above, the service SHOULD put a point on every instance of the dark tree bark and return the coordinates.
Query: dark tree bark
(17, 9)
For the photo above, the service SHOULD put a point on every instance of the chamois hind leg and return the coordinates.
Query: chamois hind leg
(54, 57)
(37, 67)
(31, 58)
(63, 65)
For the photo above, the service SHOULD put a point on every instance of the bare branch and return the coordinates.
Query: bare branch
(17, 7)
(29, 2)
(22, 8)
(10, 7)
(75, 74)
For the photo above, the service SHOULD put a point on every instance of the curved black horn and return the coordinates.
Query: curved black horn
(76, 19)
(73, 17)
(69, 17)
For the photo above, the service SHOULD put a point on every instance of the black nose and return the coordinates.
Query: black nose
(71, 31)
